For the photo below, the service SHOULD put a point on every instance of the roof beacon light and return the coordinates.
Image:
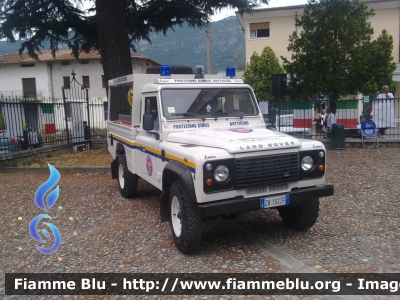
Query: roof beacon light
(165, 70)
(199, 72)
(230, 72)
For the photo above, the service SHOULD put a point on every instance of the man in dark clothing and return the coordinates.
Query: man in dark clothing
(86, 134)
(86, 130)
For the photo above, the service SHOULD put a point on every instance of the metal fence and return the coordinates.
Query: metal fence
(296, 117)
(27, 123)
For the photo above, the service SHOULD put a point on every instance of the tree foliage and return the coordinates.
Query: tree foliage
(111, 26)
(66, 22)
(382, 66)
(334, 53)
(258, 72)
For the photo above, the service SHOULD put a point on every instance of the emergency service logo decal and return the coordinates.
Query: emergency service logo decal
(149, 165)
(241, 130)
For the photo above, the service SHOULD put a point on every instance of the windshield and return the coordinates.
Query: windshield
(286, 120)
(208, 103)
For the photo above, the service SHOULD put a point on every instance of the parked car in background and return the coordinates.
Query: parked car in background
(284, 123)
(10, 144)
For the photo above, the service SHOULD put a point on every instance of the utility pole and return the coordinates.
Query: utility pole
(209, 56)
(236, 60)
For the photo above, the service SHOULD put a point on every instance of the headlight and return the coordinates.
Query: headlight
(221, 173)
(307, 163)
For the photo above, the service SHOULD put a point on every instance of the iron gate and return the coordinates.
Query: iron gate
(78, 130)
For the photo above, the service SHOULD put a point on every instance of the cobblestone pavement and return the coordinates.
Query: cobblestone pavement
(357, 230)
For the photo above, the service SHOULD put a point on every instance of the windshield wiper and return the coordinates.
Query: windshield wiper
(193, 115)
(230, 112)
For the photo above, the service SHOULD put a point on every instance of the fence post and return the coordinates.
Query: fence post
(65, 114)
(88, 114)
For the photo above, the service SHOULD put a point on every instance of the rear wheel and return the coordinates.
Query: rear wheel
(127, 181)
(300, 217)
(185, 222)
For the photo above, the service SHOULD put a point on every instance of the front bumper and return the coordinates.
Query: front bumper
(244, 204)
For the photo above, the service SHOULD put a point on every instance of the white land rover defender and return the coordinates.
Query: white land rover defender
(203, 143)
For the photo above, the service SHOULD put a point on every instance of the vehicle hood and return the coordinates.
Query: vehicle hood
(236, 140)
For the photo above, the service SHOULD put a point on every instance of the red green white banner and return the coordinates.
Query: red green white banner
(302, 114)
(48, 118)
(347, 113)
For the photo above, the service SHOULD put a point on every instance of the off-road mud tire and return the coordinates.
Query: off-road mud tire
(174, 70)
(300, 217)
(189, 239)
(128, 187)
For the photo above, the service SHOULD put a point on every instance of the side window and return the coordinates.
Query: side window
(150, 107)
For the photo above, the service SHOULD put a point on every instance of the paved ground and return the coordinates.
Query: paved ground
(357, 229)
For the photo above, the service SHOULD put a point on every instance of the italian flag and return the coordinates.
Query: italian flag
(302, 114)
(48, 118)
(347, 113)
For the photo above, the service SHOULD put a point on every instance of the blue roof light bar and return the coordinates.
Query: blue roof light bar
(165, 70)
(230, 72)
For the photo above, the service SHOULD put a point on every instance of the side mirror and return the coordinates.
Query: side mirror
(148, 121)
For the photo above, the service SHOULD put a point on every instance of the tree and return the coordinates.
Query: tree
(111, 27)
(258, 72)
(334, 54)
(382, 67)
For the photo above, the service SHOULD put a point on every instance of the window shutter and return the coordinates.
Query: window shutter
(257, 26)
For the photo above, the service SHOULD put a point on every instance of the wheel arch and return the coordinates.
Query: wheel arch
(119, 149)
(173, 171)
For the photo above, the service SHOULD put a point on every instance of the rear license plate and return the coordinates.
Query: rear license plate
(274, 201)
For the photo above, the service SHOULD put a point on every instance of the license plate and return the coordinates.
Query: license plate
(274, 201)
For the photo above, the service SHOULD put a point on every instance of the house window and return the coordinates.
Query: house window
(29, 87)
(67, 82)
(259, 30)
(84, 62)
(103, 81)
(85, 81)
(65, 63)
(27, 65)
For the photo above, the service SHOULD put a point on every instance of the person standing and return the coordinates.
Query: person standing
(383, 111)
(318, 125)
(33, 139)
(330, 120)
(88, 135)
(323, 117)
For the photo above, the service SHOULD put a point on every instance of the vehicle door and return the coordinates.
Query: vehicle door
(149, 145)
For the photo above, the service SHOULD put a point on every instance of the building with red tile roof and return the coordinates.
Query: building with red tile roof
(21, 75)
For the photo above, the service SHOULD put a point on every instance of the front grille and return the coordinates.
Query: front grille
(267, 170)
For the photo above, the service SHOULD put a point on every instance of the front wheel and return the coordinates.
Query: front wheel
(127, 181)
(185, 222)
(300, 217)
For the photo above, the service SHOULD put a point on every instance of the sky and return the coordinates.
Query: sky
(231, 12)
(272, 3)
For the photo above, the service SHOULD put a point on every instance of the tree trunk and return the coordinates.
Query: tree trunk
(115, 49)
